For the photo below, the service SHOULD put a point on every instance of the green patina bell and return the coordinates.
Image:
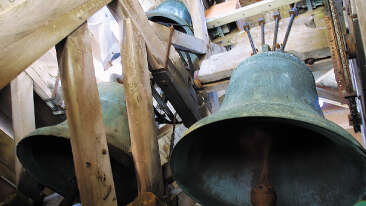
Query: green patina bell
(270, 105)
(46, 152)
(172, 12)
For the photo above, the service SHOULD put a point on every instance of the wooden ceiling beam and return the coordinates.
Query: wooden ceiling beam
(247, 11)
(30, 28)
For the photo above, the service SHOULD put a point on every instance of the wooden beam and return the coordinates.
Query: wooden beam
(197, 11)
(247, 11)
(174, 80)
(84, 117)
(31, 28)
(22, 106)
(44, 72)
(136, 81)
(7, 156)
(361, 15)
(150, 4)
(322, 75)
(181, 40)
(331, 96)
(304, 41)
(121, 9)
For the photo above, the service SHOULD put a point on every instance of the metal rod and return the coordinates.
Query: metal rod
(247, 29)
(262, 22)
(277, 17)
(293, 13)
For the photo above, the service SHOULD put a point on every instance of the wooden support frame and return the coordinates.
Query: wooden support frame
(304, 41)
(23, 117)
(84, 117)
(175, 81)
(247, 11)
(136, 81)
(31, 28)
(361, 15)
(181, 40)
(197, 11)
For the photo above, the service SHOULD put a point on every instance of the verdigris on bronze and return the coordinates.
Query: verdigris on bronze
(312, 161)
(46, 153)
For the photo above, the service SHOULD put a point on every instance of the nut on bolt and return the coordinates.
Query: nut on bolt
(294, 11)
(277, 14)
(261, 21)
(246, 26)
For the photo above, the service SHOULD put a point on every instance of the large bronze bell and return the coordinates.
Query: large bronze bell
(270, 142)
(46, 152)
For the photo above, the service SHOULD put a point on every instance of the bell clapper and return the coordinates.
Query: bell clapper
(263, 194)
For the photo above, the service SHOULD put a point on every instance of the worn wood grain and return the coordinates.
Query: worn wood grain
(181, 40)
(197, 12)
(247, 11)
(361, 15)
(84, 117)
(31, 28)
(136, 81)
(22, 106)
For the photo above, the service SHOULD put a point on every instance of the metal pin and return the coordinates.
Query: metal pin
(262, 22)
(247, 29)
(277, 17)
(293, 13)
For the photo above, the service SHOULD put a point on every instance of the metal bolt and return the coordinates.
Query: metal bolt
(247, 29)
(262, 23)
(277, 17)
(293, 12)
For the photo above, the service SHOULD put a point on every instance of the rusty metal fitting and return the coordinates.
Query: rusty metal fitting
(261, 21)
(294, 11)
(277, 14)
(246, 26)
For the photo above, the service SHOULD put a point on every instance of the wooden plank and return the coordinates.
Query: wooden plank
(181, 40)
(22, 106)
(361, 15)
(150, 4)
(84, 117)
(136, 79)
(247, 11)
(44, 72)
(304, 41)
(7, 156)
(197, 11)
(31, 28)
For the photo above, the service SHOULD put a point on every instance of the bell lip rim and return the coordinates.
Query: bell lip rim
(112, 155)
(183, 23)
(312, 126)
